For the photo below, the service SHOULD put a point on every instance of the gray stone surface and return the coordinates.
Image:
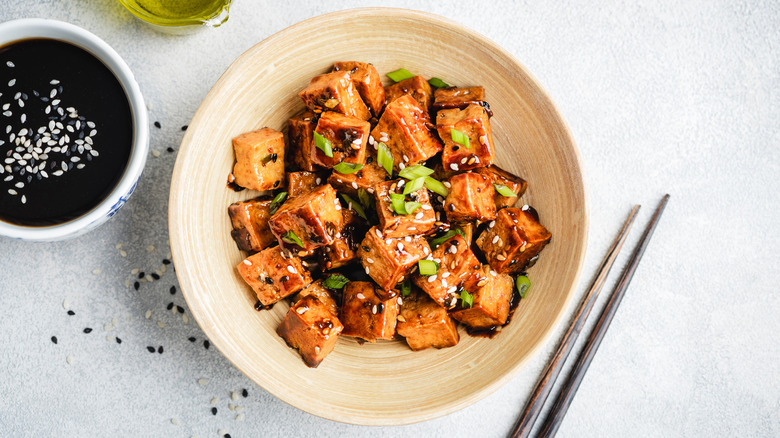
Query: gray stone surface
(678, 97)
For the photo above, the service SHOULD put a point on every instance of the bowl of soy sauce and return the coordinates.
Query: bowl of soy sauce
(74, 133)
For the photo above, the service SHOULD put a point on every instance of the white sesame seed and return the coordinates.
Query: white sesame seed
(408, 238)
(378, 233)
(426, 207)
(10, 64)
(291, 270)
(374, 309)
(69, 360)
(354, 185)
(525, 207)
(214, 401)
(425, 250)
(360, 296)
(406, 159)
(97, 271)
(418, 216)
(367, 270)
(388, 241)
(54, 82)
(337, 207)
(160, 324)
(495, 239)
(12, 82)
(240, 417)
(454, 166)
(432, 278)
(247, 262)
(156, 154)
(148, 314)
(401, 166)
(463, 161)
(12, 192)
(445, 275)
(493, 273)
(203, 382)
(369, 260)
(492, 224)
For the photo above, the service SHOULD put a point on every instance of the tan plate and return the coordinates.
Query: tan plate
(383, 383)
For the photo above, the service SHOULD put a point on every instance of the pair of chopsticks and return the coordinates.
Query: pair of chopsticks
(543, 387)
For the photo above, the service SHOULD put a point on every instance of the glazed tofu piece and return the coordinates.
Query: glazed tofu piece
(365, 315)
(367, 81)
(300, 183)
(273, 276)
(457, 265)
(392, 224)
(310, 328)
(454, 97)
(513, 182)
(366, 178)
(250, 224)
(470, 198)
(388, 260)
(474, 123)
(513, 240)
(321, 293)
(348, 137)
(425, 324)
(314, 218)
(343, 250)
(334, 92)
(259, 159)
(300, 140)
(406, 130)
(416, 87)
(492, 293)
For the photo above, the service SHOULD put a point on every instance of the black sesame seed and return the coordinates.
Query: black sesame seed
(245, 393)
(259, 306)
(227, 435)
(173, 290)
(192, 339)
(366, 249)
(118, 340)
(214, 411)
(180, 309)
(369, 160)
(184, 128)
(269, 280)
(155, 276)
(170, 305)
(206, 344)
(71, 313)
(284, 278)
(170, 149)
(141, 274)
(455, 148)
(451, 207)
(276, 184)
(166, 262)
(160, 349)
(54, 339)
(87, 330)
(136, 285)
(380, 308)
(274, 157)
(151, 349)
(157, 125)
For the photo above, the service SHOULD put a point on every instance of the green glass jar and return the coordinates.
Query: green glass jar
(179, 16)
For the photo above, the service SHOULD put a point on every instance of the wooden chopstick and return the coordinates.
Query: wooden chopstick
(561, 405)
(543, 387)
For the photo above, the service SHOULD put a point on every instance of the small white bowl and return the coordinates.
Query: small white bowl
(16, 30)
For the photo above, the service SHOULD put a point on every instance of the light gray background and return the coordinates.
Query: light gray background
(678, 97)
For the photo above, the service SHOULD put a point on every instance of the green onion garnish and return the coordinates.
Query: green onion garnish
(438, 83)
(276, 203)
(466, 298)
(399, 75)
(410, 207)
(414, 185)
(347, 168)
(397, 202)
(504, 190)
(459, 137)
(436, 186)
(336, 281)
(428, 267)
(355, 206)
(406, 288)
(523, 284)
(385, 158)
(364, 197)
(323, 144)
(446, 236)
(291, 237)
(413, 172)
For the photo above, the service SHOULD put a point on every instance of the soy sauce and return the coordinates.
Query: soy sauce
(66, 131)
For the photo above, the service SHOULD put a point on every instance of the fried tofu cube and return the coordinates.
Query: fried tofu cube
(343, 250)
(454, 97)
(310, 328)
(389, 260)
(492, 296)
(392, 224)
(416, 87)
(457, 265)
(300, 183)
(348, 137)
(300, 136)
(318, 291)
(366, 178)
(334, 92)
(501, 177)
(405, 129)
(474, 123)
(513, 240)
(365, 314)
(367, 81)
(259, 159)
(273, 276)
(470, 198)
(425, 324)
(314, 218)
(250, 224)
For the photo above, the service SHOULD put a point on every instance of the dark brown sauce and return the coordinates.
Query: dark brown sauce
(231, 183)
(66, 130)
(489, 332)
(260, 306)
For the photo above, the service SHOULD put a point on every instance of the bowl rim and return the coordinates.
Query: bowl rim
(26, 28)
(413, 417)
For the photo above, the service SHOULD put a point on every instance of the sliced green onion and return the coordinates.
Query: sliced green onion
(428, 267)
(410, 207)
(504, 190)
(355, 206)
(466, 298)
(438, 83)
(347, 168)
(397, 202)
(323, 144)
(459, 137)
(364, 197)
(267, 158)
(447, 236)
(276, 203)
(406, 288)
(436, 186)
(385, 158)
(523, 284)
(414, 185)
(291, 237)
(336, 281)
(399, 75)
(413, 172)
